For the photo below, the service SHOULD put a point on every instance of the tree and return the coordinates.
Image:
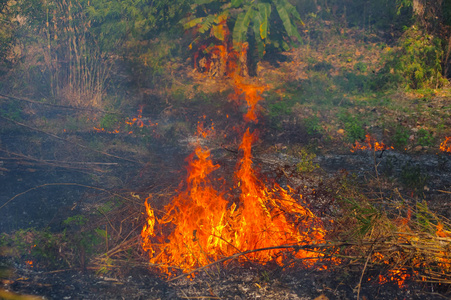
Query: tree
(227, 32)
(116, 22)
(435, 17)
(7, 28)
(71, 43)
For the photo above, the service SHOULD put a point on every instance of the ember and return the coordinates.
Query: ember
(207, 224)
(370, 143)
(398, 276)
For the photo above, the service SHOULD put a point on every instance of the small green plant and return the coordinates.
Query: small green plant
(401, 137)
(42, 247)
(366, 215)
(352, 82)
(353, 127)
(265, 276)
(11, 110)
(313, 125)
(85, 241)
(306, 165)
(425, 138)
(109, 122)
(361, 67)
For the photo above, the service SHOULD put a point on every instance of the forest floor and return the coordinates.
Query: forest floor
(74, 181)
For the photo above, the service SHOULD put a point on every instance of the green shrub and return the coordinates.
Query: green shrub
(425, 138)
(353, 127)
(401, 137)
(416, 63)
(313, 125)
(306, 165)
(109, 122)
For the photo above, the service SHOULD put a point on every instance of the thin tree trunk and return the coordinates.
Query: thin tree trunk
(49, 49)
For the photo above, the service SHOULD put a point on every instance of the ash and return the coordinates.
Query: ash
(237, 283)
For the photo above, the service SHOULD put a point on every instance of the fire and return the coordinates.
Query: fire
(370, 143)
(29, 263)
(445, 146)
(204, 223)
(252, 96)
(137, 122)
(398, 276)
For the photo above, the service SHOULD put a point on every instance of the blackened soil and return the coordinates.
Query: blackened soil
(239, 284)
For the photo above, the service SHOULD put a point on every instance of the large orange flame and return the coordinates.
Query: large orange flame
(203, 224)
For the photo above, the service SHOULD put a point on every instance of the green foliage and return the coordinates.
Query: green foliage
(369, 15)
(110, 122)
(417, 62)
(306, 165)
(11, 110)
(426, 218)
(77, 220)
(353, 126)
(109, 206)
(313, 125)
(351, 82)
(118, 21)
(400, 137)
(361, 67)
(425, 138)
(83, 239)
(40, 246)
(249, 21)
(318, 89)
(365, 214)
(7, 31)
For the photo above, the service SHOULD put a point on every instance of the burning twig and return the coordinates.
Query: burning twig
(370, 143)
(444, 147)
(296, 248)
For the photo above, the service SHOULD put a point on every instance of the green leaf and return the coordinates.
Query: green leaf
(259, 42)
(192, 23)
(202, 2)
(218, 32)
(236, 3)
(206, 25)
(283, 14)
(264, 11)
(241, 25)
(285, 9)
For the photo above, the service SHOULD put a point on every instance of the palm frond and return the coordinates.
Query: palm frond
(242, 24)
(192, 23)
(264, 11)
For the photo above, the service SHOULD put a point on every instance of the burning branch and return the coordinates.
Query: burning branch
(311, 247)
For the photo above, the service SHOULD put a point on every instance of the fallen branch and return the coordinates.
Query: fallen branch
(68, 141)
(312, 247)
(56, 105)
(22, 159)
(65, 184)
